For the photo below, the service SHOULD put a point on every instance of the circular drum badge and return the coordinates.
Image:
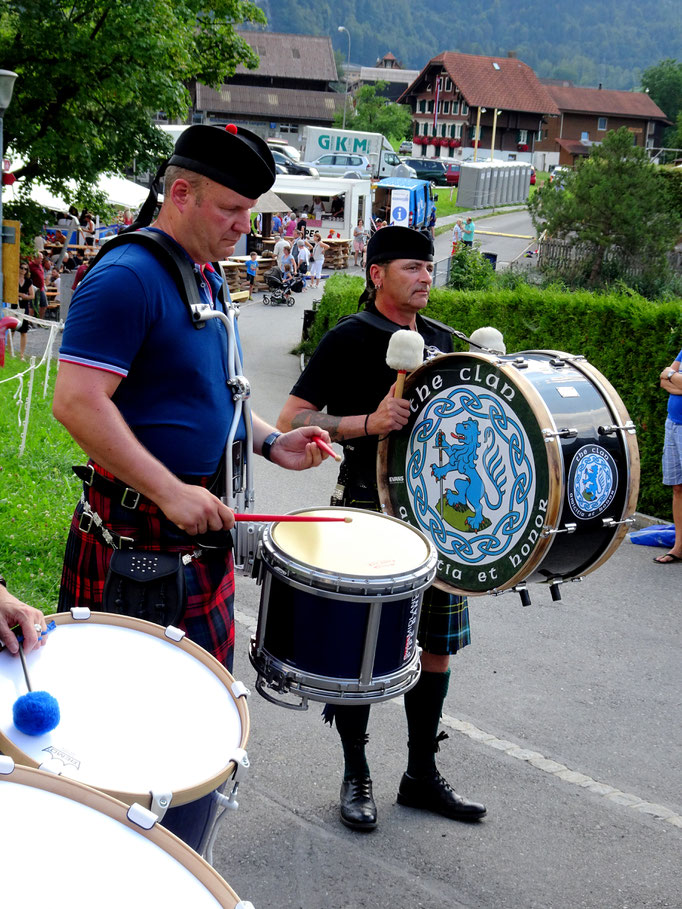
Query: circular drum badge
(592, 482)
(471, 471)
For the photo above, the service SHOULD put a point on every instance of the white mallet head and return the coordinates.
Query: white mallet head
(489, 339)
(405, 350)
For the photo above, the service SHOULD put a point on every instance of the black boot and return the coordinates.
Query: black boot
(422, 786)
(358, 810)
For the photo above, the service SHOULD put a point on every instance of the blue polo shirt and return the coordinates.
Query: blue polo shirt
(128, 318)
(675, 401)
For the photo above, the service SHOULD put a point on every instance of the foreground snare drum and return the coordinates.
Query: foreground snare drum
(518, 468)
(92, 850)
(146, 715)
(340, 607)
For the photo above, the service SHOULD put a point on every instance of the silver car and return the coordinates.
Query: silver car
(337, 164)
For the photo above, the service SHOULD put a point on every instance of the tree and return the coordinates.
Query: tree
(664, 84)
(92, 73)
(375, 114)
(615, 201)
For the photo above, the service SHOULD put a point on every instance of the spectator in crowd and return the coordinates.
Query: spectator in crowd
(468, 233)
(27, 294)
(456, 236)
(319, 250)
(35, 265)
(277, 223)
(281, 247)
(671, 382)
(80, 273)
(359, 242)
(251, 269)
(291, 225)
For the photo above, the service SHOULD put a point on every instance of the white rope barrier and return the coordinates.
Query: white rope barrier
(33, 365)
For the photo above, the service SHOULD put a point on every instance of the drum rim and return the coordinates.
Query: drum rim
(349, 584)
(555, 467)
(180, 796)
(117, 810)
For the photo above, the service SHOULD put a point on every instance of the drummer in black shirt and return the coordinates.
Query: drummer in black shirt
(348, 376)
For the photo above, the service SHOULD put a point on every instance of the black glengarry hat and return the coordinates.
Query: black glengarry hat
(391, 243)
(231, 155)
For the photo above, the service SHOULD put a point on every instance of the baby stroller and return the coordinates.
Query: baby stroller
(280, 293)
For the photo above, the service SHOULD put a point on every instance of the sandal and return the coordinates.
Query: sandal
(668, 559)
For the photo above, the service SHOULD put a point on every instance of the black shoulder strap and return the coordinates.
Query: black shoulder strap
(172, 259)
(371, 318)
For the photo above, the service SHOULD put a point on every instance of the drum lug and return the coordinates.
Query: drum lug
(161, 802)
(609, 522)
(627, 427)
(554, 590)
(241, 761)
(567, 433)
(520, 363)
(141, 816)
(551, 531)
(522, 591)
(239, 690)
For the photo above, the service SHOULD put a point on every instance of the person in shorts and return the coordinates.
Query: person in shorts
(671, 381)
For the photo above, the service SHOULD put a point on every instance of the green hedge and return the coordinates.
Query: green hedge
(626, 337)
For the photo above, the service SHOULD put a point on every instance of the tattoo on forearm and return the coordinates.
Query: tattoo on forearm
(323, 420)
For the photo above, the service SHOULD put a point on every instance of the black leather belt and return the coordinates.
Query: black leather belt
(112, 489)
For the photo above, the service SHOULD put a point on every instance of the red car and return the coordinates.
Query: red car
(452, 174)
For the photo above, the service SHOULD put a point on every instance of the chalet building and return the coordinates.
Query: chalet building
(387, 69)
(290, 87)
(463, 103)
(587, 114)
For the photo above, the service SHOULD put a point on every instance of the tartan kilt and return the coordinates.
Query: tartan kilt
(209, 616)
(444, 622)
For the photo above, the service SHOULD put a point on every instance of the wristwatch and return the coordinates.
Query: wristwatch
(3, 582)
(268, 443)
(671, 373)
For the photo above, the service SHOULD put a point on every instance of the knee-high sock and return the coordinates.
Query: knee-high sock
(423, 708)
(352, 725)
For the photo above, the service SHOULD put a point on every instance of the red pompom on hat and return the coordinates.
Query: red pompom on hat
(231, 128)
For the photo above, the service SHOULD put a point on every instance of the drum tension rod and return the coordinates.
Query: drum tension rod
(609, 522)
(554, 590)
(567, 433)
(608, 430)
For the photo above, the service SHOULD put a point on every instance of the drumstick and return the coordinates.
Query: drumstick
(36, 712)
(405, 353)
(265, 518)
(326, 448)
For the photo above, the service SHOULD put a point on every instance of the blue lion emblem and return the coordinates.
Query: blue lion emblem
(468, 491)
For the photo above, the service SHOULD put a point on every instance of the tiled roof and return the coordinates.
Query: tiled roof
(503, 82)
(604, 102)
(574, 146)
(271, 103)
(291, 56)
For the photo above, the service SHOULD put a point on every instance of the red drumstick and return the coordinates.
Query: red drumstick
(286, 517)
(327, 448)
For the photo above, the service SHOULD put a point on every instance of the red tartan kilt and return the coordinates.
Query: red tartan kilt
(209, 617)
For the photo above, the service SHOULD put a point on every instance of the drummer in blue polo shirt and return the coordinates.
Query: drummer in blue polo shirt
(145, 393)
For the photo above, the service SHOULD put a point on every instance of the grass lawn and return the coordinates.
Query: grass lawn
(38, 491)
(445, 205)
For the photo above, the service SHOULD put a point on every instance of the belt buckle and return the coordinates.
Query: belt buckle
(135, 501)
(85, 522)
(92, 475)
(125, 543)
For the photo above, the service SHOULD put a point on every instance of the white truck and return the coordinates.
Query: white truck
(321, 140)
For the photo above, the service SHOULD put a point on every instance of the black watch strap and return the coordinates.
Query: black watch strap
(3, 582)
(268, 443)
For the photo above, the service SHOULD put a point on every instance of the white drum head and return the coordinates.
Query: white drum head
(371, 546)
(138, 711)
(69, 847)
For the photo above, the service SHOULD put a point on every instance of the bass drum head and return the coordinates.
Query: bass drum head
(472, 469)
(90, 853)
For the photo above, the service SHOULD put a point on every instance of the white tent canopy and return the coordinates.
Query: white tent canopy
(118, 191)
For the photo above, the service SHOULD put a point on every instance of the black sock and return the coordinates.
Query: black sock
(352, 725)
(423, 708)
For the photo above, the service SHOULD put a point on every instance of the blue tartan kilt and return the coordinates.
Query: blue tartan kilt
(209, 578)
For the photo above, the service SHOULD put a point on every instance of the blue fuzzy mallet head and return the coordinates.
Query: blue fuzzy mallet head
(36, 713)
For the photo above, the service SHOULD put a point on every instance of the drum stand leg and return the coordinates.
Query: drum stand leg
(226, 802)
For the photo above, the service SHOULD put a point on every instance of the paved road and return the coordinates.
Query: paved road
(490, 236)
(564, 718)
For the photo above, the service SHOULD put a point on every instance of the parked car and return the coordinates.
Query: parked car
(405, 148)
(432, 169)
(452, 174)
(285, 149)
(336, 165)
(290, 167)
(558, 174)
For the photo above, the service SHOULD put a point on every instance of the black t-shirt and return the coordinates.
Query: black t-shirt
(348, 375)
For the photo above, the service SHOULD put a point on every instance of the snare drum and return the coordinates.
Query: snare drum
(67, 846)
(339, 608)
(146, 715)
(518, 468)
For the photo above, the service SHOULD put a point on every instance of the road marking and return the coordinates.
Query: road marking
(495, 233)
(534, 758)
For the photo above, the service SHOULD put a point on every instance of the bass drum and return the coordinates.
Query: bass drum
(518, 468)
